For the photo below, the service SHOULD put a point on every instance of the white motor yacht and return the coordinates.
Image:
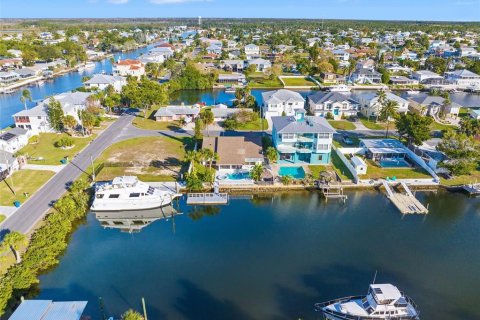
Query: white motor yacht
(413, 92)
(89, 65)
(129, 193)
(383, 301)
(339, 88)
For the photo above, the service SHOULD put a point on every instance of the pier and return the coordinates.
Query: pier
(207, 198)
(472, 189)
(406, 202)
(331, 190)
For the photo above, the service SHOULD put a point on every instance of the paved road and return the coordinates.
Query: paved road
(38, 204)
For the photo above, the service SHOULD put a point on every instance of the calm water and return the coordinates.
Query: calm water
(274, 257)
(11, 104)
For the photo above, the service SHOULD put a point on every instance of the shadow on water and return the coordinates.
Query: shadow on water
(196, 303)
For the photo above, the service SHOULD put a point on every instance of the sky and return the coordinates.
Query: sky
(436, 10)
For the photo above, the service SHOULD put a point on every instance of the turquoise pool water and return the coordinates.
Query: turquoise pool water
(294, 172)
(238, 175)
(394, 163)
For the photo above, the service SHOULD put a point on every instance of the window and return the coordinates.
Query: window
(323, 135)
(39, 117)
(323, 146)
(286, 156)
(287, 136)
(100, 196)
(320, 157)
(114, 196)
(134, 195)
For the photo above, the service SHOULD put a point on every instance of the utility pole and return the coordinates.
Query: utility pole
(144, 309)
(93, 168)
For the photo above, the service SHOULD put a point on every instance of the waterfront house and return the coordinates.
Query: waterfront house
(281, 102)
(432, 105)
(474, 113)
(331, 78)
(370, 106)
(8, 77)
(426, 76)
(175, 113)
(463, 78)
(214, 49)
(48, 309)
(129, 67)
(235, 152)
(232, 78)
(14, 139)
(36, 118)
(167, 51)
(302, 139)
(102, 81)
(337, 104)
(25, 73)
(260, 64)
(252, 50)
(379, 149)
(366, 76)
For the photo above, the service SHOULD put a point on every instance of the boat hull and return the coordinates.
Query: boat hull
(100, 206)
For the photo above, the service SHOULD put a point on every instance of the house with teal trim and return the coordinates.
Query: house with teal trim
(302, 139)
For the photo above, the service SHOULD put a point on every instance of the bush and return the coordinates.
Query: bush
(329, 116)
(65, 142)
(33, 140)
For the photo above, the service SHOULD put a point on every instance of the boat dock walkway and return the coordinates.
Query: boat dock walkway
(472, 189)
(406, 203)
(207, 198)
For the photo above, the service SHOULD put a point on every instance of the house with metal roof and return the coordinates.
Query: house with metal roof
(432, 105)
(336, 104)
(49, 310)
(102, 81)
(281, 102)
(370, 106)
(302, 139)
(464, 78)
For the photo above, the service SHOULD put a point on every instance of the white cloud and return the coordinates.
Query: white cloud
(176, 1)
(118, 1)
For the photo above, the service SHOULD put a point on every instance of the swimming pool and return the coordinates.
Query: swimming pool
(294, 172)
(241, 175)
(394, 163)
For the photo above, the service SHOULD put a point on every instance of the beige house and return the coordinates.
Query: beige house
(235, 152)
(176, 113)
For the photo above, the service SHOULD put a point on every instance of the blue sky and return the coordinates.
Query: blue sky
(450, 10)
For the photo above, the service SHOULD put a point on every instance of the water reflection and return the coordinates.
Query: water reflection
(134, 221)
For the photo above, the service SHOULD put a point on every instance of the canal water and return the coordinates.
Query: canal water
(273, 257)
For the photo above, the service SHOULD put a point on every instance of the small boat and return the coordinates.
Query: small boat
(129, 193)
(40, 83)
(475, 88)
(81, 69)
(413, 92)
(8, 91)
(230, 90)
(340, 88)
(454, 91)
(383, 301)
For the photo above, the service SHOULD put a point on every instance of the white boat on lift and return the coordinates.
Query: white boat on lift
(383, 301)
(129, 193)
(413, 92)
(340, 88)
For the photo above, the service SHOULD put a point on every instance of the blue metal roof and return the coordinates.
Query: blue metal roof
(49, 310)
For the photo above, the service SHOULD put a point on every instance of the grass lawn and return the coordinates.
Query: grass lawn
(464, 112)
(342, 124)
(473, 177)
(2, 217)
(374, 171)
(150, 123)
(440, 126)
(299, 82)
(52, 155)
(262, 82)
(340, 167)
(254, 125)
(27, 181)
(370, 124)
(316, 169)
(149, 158)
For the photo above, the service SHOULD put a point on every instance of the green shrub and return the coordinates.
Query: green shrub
(65, 142)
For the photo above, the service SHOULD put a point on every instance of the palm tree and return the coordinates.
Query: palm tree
(256, 172)
(388, 111)
(15, 240)
(192, 156)
(208, 118)
(69, 122)
(26, 95)
(381, 98)
(272, 154)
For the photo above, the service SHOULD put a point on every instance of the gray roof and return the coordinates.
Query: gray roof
(464, 74)
(429, 100)
(67, 100)
(372, 97)
(282, 95)
(49, 310)
(321, 97)
(6, 156)
(14, 132)
(309, 125)
(104, 79)
(170, 111)
(24, 71)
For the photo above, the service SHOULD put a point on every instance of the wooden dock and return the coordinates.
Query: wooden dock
(331, 190)
(405, 202)
(207, 198)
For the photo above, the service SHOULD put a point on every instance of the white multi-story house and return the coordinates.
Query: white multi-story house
(463, 78)
(102, 81)
(261, 64)
(129, 67)
(252, 50)
(14, 139)
(336, 104)
(36, 118)
(370, 106)
(424, 75)
(281, 102)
